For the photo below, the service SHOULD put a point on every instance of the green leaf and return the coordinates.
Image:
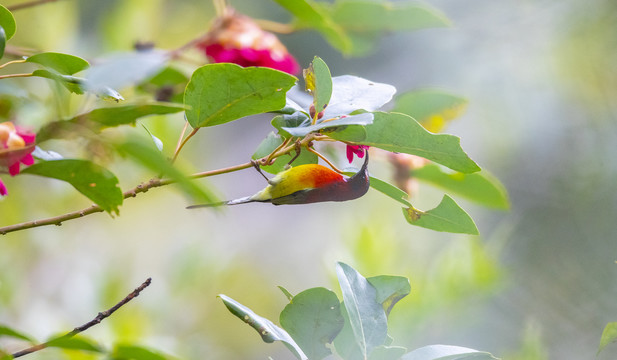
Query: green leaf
(286, 293)
(313, 319)
(318, 83)
(125, 69)
(268, 331)
(390, 190)
(75, 343)
(431, 108)
(447, 216)
(157, 142)
(95, 182)
(480, 187)
(63, 63)
(353, 93)
(271, 142)
(390, 289)
(401, 133)
(310, 14)
(366, 316)
(78, 85)
(293, 120)
(609, 335)
(132, 352)
(383, 352)
(2, 41)
(7, 22)
(153, 159)
(360, 119)
(8, 332)
(98, 119)
(220, 93)
(447, 352)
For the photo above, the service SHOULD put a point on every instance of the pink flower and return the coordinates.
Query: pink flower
(16, 146)
(237, 39)
(357, 150)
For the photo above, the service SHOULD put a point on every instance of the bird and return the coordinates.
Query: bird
(305, 184)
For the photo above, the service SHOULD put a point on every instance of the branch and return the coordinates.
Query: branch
(100, 317)
(28, 4)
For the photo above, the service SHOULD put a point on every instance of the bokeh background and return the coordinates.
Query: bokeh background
(539, 283)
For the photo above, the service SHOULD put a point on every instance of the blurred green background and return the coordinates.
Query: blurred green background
(539, 283)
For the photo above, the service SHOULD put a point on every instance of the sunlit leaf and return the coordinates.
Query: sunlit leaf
(132, 352)
(154, 160)
(313, 319)
(98, 119)
(268, 331)
(8, 332)
(431, 108)
(390, 190)
(157, 142)
(360, 119)
(63, 63)
(270, 143)
(383, 352)
(7, 22)
(609, 335)
(401, 133)
(310, 14)
(319, 83)
(219, 93)
(353, 93)
(75, 343)
(366, 316)
(481, 187)
(390, 289)
(95, 182)
(447, 216)
(447, 352)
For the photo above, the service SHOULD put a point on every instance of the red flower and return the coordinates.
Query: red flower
(16, 146)
(237, 39)
(357, 150)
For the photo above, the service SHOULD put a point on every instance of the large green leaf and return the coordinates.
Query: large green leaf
(430, 107)
(78, 85)
(8, 332)
(319, 83)
(310, 14)
(447, 216)
(609, 335)
(95, 182)
(152, 158)
(447, 352)
(390, 289)
(313, 319)
(268, 331)
(270, 143)
(63, 63)
(366, 316)
(7, 22)
(389, 190)
(219, 93)
(480, 187)
(132, 352)
(75, 343)
(98, 119)
(401, 133)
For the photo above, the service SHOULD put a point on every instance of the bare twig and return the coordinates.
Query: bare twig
(14, 75)
(100, 317)
(28, 4)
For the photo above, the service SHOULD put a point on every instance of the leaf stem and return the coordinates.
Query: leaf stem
(28, 4)
(181, 145)
(186, 125)
(12, 62)
(274, 26)
(325, 159)
(100, 317)
(15, 75)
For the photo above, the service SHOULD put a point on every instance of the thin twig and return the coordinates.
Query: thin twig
(274, 26)
(186, 125)
(28, 4)
(15, 75)
(12, 62)
(326, 160)
(97, 320)
(181, 145)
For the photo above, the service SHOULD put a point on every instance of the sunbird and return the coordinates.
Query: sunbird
(305, 184)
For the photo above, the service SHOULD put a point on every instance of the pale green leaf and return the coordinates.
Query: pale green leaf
(7, 22)
(319, 83)
(609, 335)
(447, 216)
(430, 107)
(447, 352)
(384, 352)
(63, 63)
(390, 289)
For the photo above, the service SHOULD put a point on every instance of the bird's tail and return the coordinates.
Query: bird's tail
(243, 200)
